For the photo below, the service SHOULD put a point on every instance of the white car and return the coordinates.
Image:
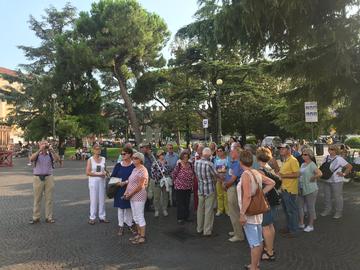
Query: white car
(272, 141)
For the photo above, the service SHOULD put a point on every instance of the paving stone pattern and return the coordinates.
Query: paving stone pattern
(71, 243)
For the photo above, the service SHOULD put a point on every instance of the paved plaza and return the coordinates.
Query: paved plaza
(71, 243)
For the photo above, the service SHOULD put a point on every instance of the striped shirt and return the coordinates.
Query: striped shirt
(206, 175)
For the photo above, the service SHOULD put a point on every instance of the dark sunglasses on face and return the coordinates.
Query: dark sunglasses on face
(123, 154)
(304, 155)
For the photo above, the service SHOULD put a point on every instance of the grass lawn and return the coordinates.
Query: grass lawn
(112, 153)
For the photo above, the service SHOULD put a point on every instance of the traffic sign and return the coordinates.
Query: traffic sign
(205, 123)
(311, 112)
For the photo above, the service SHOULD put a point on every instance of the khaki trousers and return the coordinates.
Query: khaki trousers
(234, 212)
(161, 198)
(205, 213)
(46, 187)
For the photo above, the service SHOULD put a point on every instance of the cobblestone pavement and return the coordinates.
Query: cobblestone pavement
(71, 243)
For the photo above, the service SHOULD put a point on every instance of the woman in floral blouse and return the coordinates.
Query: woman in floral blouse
(161, 196)
(183, 178)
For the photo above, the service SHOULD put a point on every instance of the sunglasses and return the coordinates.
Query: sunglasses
(304, 155)
(123, 154)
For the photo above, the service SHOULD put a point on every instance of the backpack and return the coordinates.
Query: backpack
(325, 169)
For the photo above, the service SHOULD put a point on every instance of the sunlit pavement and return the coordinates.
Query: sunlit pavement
(71, 243)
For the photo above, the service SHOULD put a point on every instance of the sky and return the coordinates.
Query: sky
(14, 27)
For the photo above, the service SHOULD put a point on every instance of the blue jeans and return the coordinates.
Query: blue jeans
(291, 210)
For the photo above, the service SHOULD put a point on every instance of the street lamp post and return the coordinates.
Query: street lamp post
(54, 96)
(219, 82)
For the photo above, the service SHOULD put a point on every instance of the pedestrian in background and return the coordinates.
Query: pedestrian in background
(43, 181)
(250, 181)
(206, 176)
(308, 189)
(123, 170)
(136, 193)
(333, 187)
(183, 178)
(159, 170)
(232, 179)
(289, 173)
(263, 156)
(96, 171)
(221, 163)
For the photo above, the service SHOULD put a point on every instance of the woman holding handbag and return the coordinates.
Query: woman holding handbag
(183, 177)
(123, 170)
(251, 197)
(161, 195)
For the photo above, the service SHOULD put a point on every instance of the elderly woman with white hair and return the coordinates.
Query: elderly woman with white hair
(136, 193)
(206, 176)
(308, 189)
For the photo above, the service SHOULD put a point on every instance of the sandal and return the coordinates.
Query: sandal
(267, 257)
(139, 240)
(135, 237)
(104, 221)
(34, 221)
(247, 266)
(91, 221)
(133, 230)
(121, 231)
(50, 220)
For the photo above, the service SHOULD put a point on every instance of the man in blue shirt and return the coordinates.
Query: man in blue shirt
(232, 179)
(171, 157)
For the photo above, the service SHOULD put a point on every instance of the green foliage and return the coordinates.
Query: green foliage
(313, 43)
(353, 142)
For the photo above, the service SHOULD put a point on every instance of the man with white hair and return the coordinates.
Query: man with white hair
(206, 176)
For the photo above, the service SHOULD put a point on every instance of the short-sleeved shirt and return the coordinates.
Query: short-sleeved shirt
(171, 161)
(221, 165)
(305, 184)
(134, 180)
(206, 175)
(234, 169)
(122, 172)
(336, 166)
(290, 165)
(44, 165)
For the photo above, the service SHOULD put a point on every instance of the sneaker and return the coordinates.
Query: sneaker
(218, 214)
(301, 226)
(337, 215)
(156, 214)
(309, 228)
(231, 233)
(235, 239)
(29, 164)
(325, 213)
(165, 213)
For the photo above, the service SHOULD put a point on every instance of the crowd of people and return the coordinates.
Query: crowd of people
(224, 180)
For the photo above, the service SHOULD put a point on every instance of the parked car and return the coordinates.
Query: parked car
(273, 141)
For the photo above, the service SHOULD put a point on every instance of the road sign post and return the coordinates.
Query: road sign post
(205, 123)
(311, 116)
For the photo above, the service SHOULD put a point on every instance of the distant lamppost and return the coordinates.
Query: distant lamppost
(219, 82)
(54, 96)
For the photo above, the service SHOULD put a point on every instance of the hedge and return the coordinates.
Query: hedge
(353, 142)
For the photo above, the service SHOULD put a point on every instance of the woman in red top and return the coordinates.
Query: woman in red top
(183, 179)
(136, 193)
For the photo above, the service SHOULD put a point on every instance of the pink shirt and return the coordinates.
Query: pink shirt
(134, 181)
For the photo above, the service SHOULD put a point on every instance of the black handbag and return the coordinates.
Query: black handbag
(111, 189)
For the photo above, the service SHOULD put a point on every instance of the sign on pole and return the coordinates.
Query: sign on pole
(205, 123)
(311, 112)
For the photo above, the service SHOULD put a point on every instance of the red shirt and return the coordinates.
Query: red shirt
(183, 176)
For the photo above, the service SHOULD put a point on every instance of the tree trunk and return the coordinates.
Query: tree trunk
(129, 106)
